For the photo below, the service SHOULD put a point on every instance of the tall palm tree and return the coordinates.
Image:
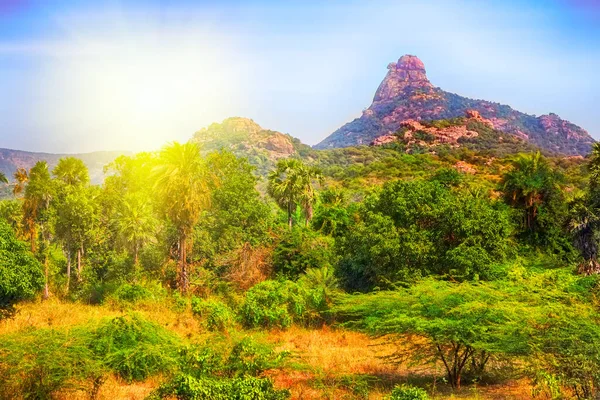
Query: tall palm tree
(135, 223)
(308, 196)
(182, 182)
(21, 179)
(38, 194)
(71, 171)
(528, 184)
(291, 184)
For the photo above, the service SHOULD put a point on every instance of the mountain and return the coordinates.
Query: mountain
(246, 138)
(10, 160)
(407, 94)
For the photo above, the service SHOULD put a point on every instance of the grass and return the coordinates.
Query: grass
(327, 363)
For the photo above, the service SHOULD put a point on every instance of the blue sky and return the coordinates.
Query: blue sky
(79, 76)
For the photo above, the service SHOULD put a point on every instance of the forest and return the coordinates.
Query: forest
(356, 273)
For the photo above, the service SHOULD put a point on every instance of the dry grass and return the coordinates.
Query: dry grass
(326, 364)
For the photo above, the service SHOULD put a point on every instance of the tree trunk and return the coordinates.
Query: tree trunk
(68, 269)
(79, 264)
(183, 272)
(46, 289)
(290, 219)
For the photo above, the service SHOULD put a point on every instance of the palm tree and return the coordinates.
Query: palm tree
(291, 184)
(71, 171)
(529, 184)
(21, 179)
(135, 223)
(38, 194)
(308, 196)
(3, 177)
(583, 224)
(182, 182)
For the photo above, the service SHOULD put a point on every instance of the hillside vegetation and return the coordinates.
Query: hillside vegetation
(217, 269)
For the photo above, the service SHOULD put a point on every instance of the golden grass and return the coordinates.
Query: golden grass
(326, 363)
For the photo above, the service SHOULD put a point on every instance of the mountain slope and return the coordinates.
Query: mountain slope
(406, 94)
(245, 138)
(10, 160)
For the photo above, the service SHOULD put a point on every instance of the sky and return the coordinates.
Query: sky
(79, 76)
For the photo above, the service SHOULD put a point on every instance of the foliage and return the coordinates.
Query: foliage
(291, 185)
(37, 364)
(412, 229)
(135, 348)
(281, 303)
(187, 387)
(299, 250)
(21, 274)
(407, 392)
(216, 315)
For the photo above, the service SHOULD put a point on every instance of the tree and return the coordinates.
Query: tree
(3, 178)
(74, 223)
(21, 274)
(418, 228)
(182, 183)
(457, 325)
(39, 192)
(528, 185)
(135, 223)
(71, 171)
(583, 224)
(291, 185)
(21, 178)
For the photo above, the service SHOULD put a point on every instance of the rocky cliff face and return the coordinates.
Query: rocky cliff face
(406, 94)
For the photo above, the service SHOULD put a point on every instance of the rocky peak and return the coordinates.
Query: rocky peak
(408, 72)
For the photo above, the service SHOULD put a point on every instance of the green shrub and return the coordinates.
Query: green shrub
(133, 293)
(37, 364)
(217, 315)
(230, 358)
(408, 392)
(281, 303)
(20, 273)
(135, 348)
(301, 249)
(185, 387)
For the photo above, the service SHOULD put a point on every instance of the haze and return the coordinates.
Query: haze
(84, 76)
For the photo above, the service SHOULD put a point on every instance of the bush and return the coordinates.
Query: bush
(38, 364)
(132, 293)
(135, 348)
(185, 387)
(281, 303)
(302, 249)
(407, 392)
(230, 358)
(20, 273)
(217, 315)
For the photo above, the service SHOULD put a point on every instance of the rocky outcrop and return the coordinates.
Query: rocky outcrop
(246, 138)
(406, 94)
(408, 72)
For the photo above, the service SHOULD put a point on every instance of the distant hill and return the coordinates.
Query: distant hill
(10, 160)
(406, 94)
(245, 138)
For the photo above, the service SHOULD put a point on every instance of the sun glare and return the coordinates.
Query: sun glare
(139, 86)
